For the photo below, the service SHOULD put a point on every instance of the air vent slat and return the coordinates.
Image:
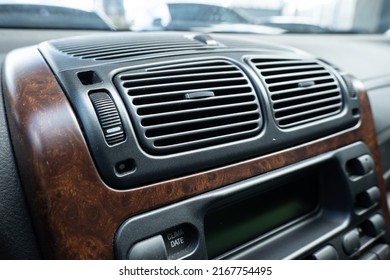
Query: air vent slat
(283, 63)
(242, 95)
(305, 96)
(278, 88)
(142, 53)
(187, 84)
(139, 95)
(308, 118)
(190, 123)
(271, 60)
(291, 89)
(204, 112)
(284, 117)
(200, 143)
(291, 69)
(112, 54)
(74, 46)
(296, 106)
(197, 64)
(173, 72)
(130, 46)
(195, 132)
(299, 75)
(127, 47)
(301, 91)
(207, 135)
(183, 78)
(184, 106)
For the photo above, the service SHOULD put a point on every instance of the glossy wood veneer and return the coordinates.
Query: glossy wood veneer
(75, 214)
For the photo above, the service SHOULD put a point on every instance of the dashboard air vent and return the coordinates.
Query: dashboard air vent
(190, 105)
(301, 91)
(125, 46)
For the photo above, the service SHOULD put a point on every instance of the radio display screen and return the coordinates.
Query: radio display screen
(235, 223)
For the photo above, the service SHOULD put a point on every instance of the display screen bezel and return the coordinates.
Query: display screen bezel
(234, 222)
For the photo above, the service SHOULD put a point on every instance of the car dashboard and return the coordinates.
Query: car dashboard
(181, 145)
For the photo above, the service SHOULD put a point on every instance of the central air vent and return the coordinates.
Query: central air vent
(128, 46)
(301, 91)
(186, 106)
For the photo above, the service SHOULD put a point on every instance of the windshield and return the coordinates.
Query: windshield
(249, 16)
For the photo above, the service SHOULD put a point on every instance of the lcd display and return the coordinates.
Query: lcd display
(236, 223)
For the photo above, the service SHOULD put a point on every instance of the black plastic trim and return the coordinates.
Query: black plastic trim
(150, 166)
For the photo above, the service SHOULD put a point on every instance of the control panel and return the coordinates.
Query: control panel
(326, 207)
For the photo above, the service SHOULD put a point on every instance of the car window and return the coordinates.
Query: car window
(204, 12)
(292, 16)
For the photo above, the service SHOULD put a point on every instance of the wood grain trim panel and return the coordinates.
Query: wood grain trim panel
(76, 215)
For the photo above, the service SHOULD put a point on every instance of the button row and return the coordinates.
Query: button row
(351, 242)
(378, 252)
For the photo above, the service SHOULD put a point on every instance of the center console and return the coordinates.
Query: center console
(329, 202)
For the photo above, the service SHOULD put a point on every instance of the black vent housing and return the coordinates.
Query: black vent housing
(185, 106)
(124, 47)
(301, 91)
(193, 102)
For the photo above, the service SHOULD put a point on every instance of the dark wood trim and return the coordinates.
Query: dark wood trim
(75, 213)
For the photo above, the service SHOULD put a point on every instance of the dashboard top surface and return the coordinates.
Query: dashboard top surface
(337, 49)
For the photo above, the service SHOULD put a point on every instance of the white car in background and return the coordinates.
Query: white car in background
(192, 16)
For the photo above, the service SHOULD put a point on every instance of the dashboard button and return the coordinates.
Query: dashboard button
(360, 166)
(351, 242)
(368, 197)
(326, 253)
(369, 256)
(179, 241)
(149, 249)
(375, 225)
(382, 251)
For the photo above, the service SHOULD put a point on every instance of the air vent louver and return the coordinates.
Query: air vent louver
(301, 91)
(125, 46)
(186, 106)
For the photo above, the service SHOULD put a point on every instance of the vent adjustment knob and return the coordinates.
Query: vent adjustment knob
(108, 116)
